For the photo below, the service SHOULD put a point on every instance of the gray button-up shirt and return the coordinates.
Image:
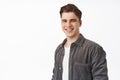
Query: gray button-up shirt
(87, 61)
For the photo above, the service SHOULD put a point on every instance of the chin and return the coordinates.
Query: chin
(70, 35)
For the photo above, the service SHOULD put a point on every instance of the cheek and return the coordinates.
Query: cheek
(63, 25)
(77, 27)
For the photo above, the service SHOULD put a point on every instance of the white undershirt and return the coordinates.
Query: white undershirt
(65, 63)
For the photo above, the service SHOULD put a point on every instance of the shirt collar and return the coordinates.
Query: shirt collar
(78, 42)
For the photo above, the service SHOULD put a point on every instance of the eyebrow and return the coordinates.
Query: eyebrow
(70, 19)
(73, 19)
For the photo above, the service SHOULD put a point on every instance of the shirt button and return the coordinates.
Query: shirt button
(59, 68)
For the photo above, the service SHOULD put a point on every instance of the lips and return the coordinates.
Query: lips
(69, 29)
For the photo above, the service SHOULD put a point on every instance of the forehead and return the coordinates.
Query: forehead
(69, 15)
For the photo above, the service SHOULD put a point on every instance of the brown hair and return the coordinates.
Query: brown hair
(71, 8)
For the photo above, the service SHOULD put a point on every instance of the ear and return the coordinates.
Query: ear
(80, 22)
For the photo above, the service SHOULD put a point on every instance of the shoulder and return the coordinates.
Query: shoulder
(61, 45)
(94, 47)
(92, 44)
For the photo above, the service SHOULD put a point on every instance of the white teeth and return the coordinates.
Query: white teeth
(69, 29)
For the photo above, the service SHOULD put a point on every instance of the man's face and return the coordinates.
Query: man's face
(70, 24)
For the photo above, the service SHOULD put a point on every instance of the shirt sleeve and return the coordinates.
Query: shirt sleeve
(99, 64)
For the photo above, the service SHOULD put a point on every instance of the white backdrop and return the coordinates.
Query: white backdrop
(30, 31)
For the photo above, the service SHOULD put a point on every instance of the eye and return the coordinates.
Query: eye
(64, 20)
(73, 20)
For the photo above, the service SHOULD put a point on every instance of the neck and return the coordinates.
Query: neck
(70, 40)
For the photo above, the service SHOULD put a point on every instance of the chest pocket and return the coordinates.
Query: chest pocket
(81, 72)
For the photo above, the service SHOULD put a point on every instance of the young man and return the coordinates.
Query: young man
(77, 58)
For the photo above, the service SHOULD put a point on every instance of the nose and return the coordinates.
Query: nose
(68, 24)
